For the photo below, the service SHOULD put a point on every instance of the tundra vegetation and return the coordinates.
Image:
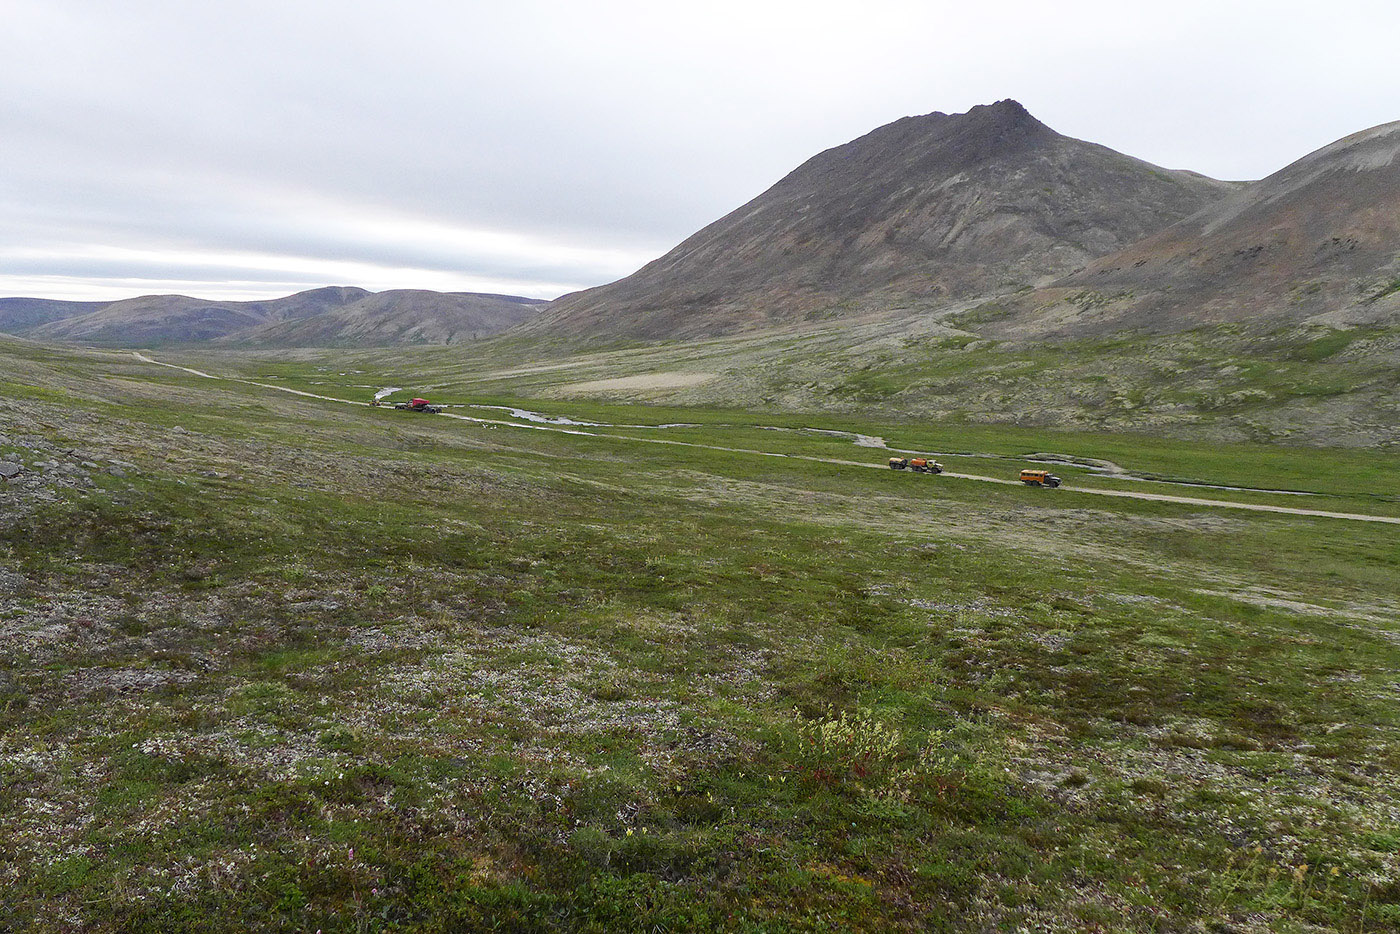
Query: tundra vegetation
(1276, 385)
(273, 662)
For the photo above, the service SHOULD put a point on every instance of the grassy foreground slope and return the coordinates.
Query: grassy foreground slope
(273, 662)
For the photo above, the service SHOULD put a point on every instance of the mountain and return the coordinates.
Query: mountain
(402, 317)
(179, 318)
(18, 315)
(1316, 242)
(920, 212)
(332, 316)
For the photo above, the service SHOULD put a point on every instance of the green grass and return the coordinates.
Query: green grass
(319, 666)
(1345, 472)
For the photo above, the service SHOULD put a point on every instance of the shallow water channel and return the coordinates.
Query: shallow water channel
(1095, 466)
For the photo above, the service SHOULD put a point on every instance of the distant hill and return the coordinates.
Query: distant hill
(21, 315)
(1316, 242)
(401, 317)
(332, 316)
(921, 212)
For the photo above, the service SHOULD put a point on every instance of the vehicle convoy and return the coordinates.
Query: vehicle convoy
(419, 405)
(1040, 478)
(916, 464)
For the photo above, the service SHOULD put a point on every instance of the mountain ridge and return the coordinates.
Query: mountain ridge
(1317, 242)
(330, 315)
(921, 211)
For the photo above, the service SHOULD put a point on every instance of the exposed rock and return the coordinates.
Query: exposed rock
(109, 681)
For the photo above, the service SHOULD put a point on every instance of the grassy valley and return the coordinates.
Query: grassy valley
(275, 661)
(1318, 386)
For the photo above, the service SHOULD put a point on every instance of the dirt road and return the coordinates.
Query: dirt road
(1122, 494)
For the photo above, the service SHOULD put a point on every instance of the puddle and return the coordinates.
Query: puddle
(541, 419)
(1207, 486)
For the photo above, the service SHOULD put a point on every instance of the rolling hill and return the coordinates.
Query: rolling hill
(22, 315)
(402, 316)
(332, 316)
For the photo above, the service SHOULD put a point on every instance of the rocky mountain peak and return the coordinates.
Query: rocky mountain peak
(916, 213)
(986, 131)
(1007, 112)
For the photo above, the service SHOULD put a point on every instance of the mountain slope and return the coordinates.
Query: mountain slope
(1318, 241)
(331, 316)
(922, 211)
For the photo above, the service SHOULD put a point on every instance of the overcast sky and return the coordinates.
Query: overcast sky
(250, 149)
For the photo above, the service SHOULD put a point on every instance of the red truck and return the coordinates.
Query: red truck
(419, 405)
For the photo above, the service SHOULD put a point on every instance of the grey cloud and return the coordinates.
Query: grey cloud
(613, 127)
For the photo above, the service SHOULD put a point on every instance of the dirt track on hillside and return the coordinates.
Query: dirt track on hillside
(1123, 494)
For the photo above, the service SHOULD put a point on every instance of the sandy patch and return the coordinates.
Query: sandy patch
(528, 370)
(646, 381)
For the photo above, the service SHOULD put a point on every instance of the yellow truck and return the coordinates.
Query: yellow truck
(1040, 478)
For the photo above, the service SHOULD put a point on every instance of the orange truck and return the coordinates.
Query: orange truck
(1040, 478)
(916, 464)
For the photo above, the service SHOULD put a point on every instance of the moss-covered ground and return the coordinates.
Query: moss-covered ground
(271, 662)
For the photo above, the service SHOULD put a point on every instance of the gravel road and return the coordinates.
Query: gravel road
(1122, 494)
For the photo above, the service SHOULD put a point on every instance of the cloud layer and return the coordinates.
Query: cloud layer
(252, 149)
